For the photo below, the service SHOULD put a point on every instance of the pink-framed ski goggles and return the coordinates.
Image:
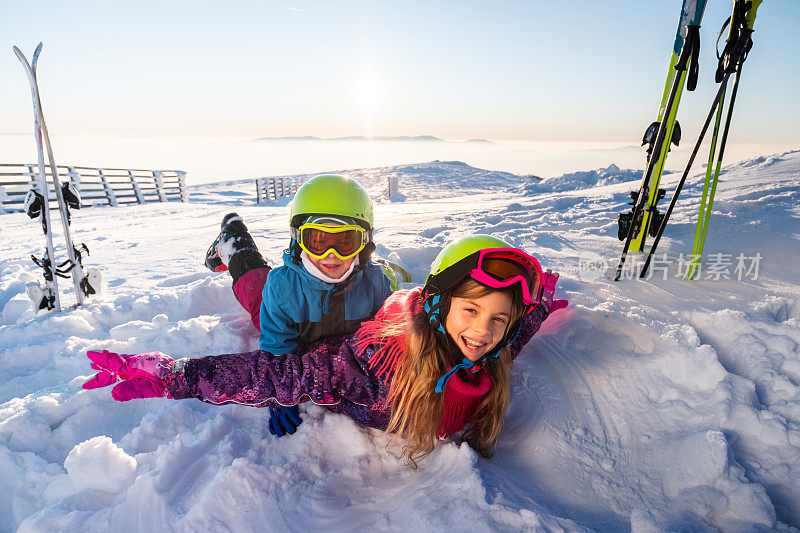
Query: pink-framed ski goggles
(496, 268)
(503, 267)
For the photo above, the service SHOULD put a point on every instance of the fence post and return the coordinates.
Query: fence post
(182, 184)
(136, 190)
(258, 190)
(158, 178)
(32, 174)
(2, 200)
(112, 198)
(74, 178)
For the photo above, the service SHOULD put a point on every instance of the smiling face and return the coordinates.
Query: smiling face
(477, 324)
(332, 266)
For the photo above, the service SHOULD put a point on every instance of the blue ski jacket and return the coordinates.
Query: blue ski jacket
(298, 309)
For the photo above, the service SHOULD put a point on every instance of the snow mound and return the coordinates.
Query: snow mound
(582, 180)
(436, 179)
(767, 161)
(99, 464)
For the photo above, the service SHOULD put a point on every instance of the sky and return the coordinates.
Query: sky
(535, 71)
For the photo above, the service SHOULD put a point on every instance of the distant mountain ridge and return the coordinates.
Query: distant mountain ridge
(407, 138)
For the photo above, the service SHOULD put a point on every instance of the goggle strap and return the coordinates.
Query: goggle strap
(439, 283)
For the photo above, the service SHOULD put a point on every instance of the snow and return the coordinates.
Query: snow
(652, 405)
(582, 180)
(100, 465)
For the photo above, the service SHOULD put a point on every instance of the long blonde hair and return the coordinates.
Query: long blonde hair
(416, 408)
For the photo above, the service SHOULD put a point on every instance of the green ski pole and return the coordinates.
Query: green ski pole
(741, 27)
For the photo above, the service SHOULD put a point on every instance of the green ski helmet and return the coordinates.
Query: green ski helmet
(332, 194)
(462, 248)
(491, 262)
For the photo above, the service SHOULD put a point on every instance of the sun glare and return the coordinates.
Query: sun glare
(368, 93)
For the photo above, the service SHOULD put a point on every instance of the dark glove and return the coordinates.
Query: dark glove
(283, 420)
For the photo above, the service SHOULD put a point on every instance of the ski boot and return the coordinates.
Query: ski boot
(233, 238)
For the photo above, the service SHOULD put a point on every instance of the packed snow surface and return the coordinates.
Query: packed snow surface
(653, 405)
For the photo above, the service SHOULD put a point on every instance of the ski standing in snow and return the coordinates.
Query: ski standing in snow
(37, 205)
(634, 226)
(738, 45)
(644, 218)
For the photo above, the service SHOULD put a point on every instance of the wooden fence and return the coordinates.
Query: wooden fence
(281, 186)
(97, 186)
(277, 187)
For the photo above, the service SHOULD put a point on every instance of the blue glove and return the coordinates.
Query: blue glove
(283, 420)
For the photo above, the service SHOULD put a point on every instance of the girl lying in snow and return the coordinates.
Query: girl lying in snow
(435, 360)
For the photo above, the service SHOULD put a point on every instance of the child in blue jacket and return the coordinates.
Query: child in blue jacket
(327, 285)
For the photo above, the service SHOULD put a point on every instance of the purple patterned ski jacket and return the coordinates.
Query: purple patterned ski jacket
(333, 372)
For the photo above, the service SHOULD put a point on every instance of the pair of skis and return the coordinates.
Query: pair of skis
(682, 71)
(644, 219)
(683, 64)
(738, 44)
(37, 205)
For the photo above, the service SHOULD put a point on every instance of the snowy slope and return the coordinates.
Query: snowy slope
(646, 405)
(419, 181)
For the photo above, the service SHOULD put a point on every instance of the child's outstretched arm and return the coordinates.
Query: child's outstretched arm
(256, 378)
(325, 374)
(530, 325)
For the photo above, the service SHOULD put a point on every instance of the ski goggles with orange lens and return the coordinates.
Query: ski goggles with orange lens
(318, 240)
(496, 268)
(503, 267)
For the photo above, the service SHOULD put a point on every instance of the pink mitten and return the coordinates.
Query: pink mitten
(549, 280)
(143, 375)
